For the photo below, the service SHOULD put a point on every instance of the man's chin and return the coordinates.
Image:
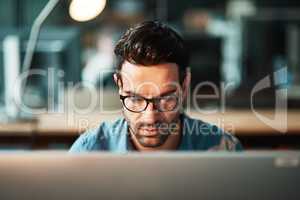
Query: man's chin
(151, 142)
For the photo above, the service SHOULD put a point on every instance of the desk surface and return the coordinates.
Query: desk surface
(239, 122)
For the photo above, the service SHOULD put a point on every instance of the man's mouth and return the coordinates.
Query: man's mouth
(149, 132)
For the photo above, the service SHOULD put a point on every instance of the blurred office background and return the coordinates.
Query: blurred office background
(233, 44)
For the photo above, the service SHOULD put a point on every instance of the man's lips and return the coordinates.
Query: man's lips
(149, 132)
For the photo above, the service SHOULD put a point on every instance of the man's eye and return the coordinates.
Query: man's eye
(136, 99)
(168, 98)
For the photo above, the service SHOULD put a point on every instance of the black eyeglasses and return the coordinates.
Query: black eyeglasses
(139, 104)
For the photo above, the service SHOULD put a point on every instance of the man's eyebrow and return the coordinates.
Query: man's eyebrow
(131, 93)
(162, 94)
(168, 92)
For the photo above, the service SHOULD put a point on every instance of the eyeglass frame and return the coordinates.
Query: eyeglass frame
(152, 100)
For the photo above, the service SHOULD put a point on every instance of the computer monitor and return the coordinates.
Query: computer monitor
(57, 48)
(205, 57)
(267, 48)
(265, 45)
(165, 176)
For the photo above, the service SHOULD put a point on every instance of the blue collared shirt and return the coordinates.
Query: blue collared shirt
(196, 135)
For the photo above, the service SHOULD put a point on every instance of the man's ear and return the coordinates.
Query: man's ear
(186, 83)
(118, 81)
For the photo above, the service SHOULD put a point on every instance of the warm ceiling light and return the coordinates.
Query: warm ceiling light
(84, 10)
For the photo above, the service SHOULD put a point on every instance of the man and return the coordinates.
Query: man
(153, 80)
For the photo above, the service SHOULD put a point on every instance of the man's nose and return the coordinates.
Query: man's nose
(150, 114)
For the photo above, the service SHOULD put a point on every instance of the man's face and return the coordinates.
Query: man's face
(151, 127)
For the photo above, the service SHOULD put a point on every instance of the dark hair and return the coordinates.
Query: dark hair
(151, 43)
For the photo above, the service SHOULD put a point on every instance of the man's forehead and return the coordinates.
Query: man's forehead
(154, 79)
(160, 73)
